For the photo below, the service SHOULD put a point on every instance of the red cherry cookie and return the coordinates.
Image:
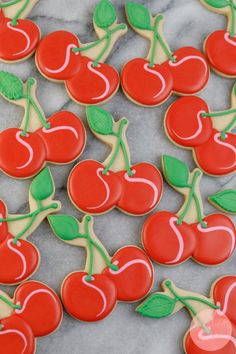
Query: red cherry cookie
(91, 294)
(172, 238)
(150, 81)
(88, 79)
(96, 187)
(19, 258)
(60, 139)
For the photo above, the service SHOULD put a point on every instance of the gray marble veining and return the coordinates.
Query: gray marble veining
(187, 23)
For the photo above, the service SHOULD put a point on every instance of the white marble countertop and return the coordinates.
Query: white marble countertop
(187, 23)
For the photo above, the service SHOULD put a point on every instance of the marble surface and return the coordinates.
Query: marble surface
(187, 23)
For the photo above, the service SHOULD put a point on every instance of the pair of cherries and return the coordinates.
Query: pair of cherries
(214, 150)
(61, 141)
(35, 311)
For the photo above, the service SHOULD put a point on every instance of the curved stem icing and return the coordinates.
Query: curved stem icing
(219, 114)
(232, 8)
(31, 216)
(10, 303)
(107, 37)
(91, 244)
(184, 300)
(9, 3)
(18, 14)
(192, 195)
(120, 144)
(228, 128)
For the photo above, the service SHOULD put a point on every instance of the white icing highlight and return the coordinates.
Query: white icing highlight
(28, 147)
(103, 77)
(62, 127)
(107, 189)
(7, 331)
(179, 237)
(219, 228)
(28, 298)
(99, 291)
(188, 57)
(22, 257)
(129, 264)
(227, 297)
(1, 217)
(147, 182)
(218, 140)
(203, 336)
(198, 131)
(229, 40)
(14, 28)
(66, 62)
(160, 77)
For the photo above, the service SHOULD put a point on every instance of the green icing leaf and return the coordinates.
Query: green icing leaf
(157, 306)
(217, 3)
(176, 171)
(64, 226)
(11, 86)
(225, 200)
(42, 186)
(104, 14)
(138, 15)
(100, 121)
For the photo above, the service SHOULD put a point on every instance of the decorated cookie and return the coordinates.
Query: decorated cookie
(190, 124)
(224, 200)
(96, 187)
(213, 328)
(59, 139)
(19, 257)
(172, 238)
(150, 81)
(18, 37)
(91, 294)
(60, 56)
(35, 311)
(220, 46)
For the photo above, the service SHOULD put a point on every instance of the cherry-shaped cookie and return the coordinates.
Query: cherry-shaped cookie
(213, 327)
(150, 81)
(34, 311)
(190, 124)
(224, 200)
(19, 258)
(220, 46)
(59, 139)
(88, 79)
(172, 238)
(96, 187)
(92, 293)
(18, 37)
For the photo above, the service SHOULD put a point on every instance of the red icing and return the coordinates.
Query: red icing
(88, 301)
(65, 140)
(16, 337)
(165, 241)
(30, 156)
(184, 122)
(224, 294)
(135, 275)
(3, 225)
(142, 191)
(217, 156)
(190, 72)
(17, 42)
(215, 246)
(221, 52)
(55, 58)
(90, 190)
(40, 307)
(17, 262)
(149, 86)
(92, 85)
